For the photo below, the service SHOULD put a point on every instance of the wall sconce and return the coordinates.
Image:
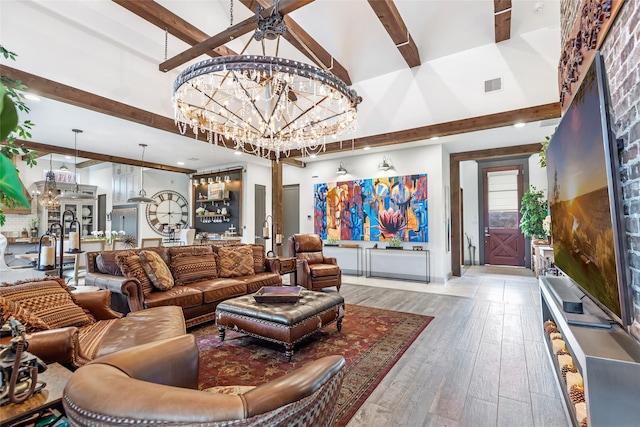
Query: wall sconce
(202, 181)
(218, 178)
(385, 165)
(210, 180)
(227, 179)
(341, 170)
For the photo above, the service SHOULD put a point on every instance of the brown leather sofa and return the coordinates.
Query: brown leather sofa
(198, 299)
(157, 384)
(74, 346)
(315, 271)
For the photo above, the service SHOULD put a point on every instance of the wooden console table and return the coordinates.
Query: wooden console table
(405, 261)
(56, 377)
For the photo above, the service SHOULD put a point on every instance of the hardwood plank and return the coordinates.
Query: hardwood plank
(513, 413)
(452, 393)
(547, 411)
(514, 381)
(485, 380)
(512, 330)
(531, 323)
(478, 412)
(539, 371)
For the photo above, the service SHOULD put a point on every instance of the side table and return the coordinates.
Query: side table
(289, 265)
(56, 377)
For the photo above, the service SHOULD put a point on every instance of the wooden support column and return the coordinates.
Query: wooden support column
(277, 211)
(456, 218)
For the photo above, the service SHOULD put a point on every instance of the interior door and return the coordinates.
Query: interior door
(260, 209)
(291, 213)
(503, 240)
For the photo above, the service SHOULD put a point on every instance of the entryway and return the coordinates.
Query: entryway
(503, 241)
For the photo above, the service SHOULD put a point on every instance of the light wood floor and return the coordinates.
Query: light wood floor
(481, 361)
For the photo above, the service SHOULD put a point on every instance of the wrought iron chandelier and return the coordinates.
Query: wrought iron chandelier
(48, 198)
(265, 105)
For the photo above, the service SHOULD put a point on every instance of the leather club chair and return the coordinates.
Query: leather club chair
(315, 271)
(157, 384)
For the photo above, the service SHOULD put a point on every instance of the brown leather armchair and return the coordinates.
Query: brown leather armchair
(315, 271)
(157, 384)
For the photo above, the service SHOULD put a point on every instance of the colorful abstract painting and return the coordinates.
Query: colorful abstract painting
(375, 209)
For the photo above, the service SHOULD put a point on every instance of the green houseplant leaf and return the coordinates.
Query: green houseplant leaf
(533, 208)
(8, 114)
(10, 183)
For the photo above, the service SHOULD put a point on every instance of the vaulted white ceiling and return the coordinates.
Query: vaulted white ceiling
(102, 48)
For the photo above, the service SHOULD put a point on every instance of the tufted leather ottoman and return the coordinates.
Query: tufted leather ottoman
(281, 323)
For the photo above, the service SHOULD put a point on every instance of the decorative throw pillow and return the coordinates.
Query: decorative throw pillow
(156, 270)
(30, 321)
(188, 267)
(107, 264)
(258, 258)
(195, 249)
(49, 300)
(131, 266)
(236, 261)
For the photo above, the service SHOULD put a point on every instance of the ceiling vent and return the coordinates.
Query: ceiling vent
(493, 85)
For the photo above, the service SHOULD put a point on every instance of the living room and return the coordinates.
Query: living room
(445, 242)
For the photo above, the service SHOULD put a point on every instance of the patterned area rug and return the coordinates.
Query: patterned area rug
(371, 341)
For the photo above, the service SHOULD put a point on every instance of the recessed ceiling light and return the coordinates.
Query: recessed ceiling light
(519, 125)
(433, 138)
(366, 148)
(31, 97)
(312, 156)
(237, 152)
(181, 163)
(67, 157)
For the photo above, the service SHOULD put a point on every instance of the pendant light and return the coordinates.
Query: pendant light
(48, 198)
(142, 195)
(76, 194)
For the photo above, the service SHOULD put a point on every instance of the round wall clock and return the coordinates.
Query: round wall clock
(170, 211)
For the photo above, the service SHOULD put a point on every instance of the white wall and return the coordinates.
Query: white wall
(431, 160)
(469, 185)
(254, 175)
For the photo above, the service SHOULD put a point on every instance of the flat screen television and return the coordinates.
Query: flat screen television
(585, 199)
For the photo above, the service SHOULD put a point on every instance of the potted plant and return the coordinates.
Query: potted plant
(533, 209)
(395, 243)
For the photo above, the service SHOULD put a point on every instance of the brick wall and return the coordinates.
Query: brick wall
(621, 52)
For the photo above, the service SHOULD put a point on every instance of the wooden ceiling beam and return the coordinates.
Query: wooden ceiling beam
(88, 163)
(473, 124)
(39, 155)
(164, 19)
(306, 44)
(502, 19)
(33, 145)
(390, 18)
(233, 32)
